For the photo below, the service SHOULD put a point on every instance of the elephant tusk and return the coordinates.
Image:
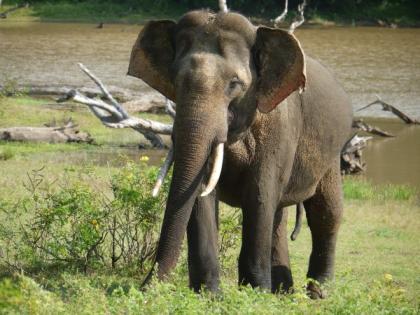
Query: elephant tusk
(216, 170)
(163, 171)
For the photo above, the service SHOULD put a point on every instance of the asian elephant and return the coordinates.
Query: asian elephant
(263, 124)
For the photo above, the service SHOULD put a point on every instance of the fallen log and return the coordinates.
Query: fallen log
(64, 134)
(392, 109)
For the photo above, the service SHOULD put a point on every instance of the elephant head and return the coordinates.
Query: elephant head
(220, 70)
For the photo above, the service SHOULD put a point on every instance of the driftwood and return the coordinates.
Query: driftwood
(392, 109)
(3, 15)
(52, 134)
(351, 155)
(361, 125)
(113, 115)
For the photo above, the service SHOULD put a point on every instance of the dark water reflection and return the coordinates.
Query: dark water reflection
(368, 61)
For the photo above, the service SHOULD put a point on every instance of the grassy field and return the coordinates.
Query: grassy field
(377, 258)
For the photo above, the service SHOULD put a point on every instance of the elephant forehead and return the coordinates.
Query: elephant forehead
(212, 23)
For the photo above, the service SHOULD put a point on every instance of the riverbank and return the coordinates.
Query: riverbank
(108, 12)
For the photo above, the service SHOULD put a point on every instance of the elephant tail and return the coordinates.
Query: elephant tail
(298, 223)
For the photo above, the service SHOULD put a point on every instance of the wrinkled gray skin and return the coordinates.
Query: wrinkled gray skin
(238, 84)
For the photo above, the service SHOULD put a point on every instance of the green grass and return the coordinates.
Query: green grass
(377, 270)
(377, 273)
(363, 190)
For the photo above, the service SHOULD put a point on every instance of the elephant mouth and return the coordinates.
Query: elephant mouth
(216, 162)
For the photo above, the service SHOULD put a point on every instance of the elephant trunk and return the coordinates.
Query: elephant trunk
(194, 142)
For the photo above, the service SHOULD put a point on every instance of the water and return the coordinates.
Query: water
(368, 62)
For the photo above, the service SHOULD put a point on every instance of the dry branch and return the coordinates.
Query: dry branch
(351, 155)
(392, 109)
(223, 6)
(282, 16)
(113, 115)
(361, 125)
(301, 17)
(170, 108)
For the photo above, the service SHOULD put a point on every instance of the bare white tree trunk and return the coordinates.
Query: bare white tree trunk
(223, 6)
(301, 18)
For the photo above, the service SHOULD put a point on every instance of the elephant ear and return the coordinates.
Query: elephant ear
(152, 56)
(280, 66)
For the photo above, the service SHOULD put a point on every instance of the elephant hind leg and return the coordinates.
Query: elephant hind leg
(281, 275)
(324, 212)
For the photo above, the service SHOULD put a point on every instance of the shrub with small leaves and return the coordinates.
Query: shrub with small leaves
(78, 227)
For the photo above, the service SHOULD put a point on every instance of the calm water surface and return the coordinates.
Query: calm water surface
(368, 62)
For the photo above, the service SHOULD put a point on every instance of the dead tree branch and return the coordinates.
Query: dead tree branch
(300, 19)
(351, 155)
(361, 125)
(223, 6)
(282, 16)
(392, 109)
(113, 115)
(170, 108)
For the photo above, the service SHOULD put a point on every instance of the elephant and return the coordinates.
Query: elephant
(259, 125)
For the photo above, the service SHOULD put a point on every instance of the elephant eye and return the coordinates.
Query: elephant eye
(234, 84)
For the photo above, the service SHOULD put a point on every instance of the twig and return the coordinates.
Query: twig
(392, 109)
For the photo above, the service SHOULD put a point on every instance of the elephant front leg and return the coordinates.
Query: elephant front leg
(255, 256)
(202, 236)
(324, 211)
(281, 275)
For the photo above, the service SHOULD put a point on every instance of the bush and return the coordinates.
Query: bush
(80, 228)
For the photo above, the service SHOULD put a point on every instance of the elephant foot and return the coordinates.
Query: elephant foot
(314, 291)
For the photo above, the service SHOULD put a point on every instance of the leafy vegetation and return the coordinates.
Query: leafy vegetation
(47, 237)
